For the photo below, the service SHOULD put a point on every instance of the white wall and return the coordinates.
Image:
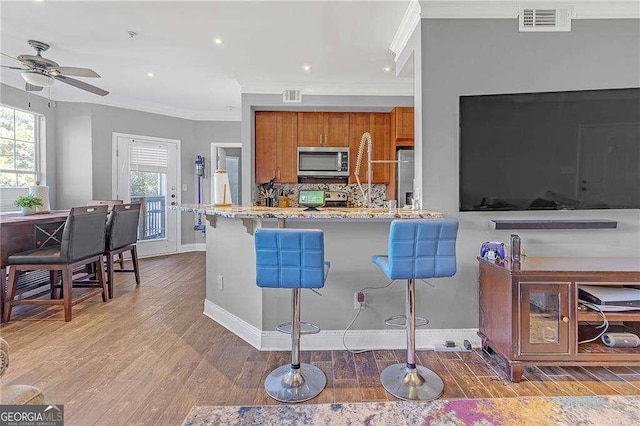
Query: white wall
(479, 56)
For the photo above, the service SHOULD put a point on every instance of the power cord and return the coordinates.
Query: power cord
(344, 335)
(604, 325)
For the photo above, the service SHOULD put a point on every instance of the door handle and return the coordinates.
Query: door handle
(320, 138)
(565, 319)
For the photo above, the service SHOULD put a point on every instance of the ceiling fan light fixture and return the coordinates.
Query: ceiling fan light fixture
(35, 78)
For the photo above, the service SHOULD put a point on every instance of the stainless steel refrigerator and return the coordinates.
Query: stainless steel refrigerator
(404, 176)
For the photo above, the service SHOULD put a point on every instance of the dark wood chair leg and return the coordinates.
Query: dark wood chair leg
(103, 283)
(110, 274)
(134, 260)
(11, 292)
(67, 283)
(52, 282)
(121, 260)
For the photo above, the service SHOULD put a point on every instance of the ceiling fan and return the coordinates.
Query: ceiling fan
(39, 72)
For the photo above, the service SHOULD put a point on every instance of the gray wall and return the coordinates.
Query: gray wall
(253, 102)
(74, 155)
(19, 99)
(476, 56)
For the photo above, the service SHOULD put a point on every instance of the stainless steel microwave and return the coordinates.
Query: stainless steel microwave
(323, 162)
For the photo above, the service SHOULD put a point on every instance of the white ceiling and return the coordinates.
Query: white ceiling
(266, 43)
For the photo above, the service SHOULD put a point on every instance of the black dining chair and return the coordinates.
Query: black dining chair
(83, 242)
(122, 235)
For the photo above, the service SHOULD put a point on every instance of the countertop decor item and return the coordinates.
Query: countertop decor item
(222, 189)
(41, 191)
(28, 203)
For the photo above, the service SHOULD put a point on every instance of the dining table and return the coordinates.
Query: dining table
(25, 232)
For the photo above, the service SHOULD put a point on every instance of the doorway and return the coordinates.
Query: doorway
(146, 171)
(229, 157)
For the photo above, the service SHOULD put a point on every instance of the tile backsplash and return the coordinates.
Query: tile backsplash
(355, 196)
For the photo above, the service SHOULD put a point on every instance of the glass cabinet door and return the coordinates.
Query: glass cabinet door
(544, 317)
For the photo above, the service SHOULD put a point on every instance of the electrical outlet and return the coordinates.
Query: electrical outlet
(220, 282)
(359, 300)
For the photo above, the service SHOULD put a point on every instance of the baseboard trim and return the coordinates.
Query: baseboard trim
(332, 339)
(184, 248)
(233, 323)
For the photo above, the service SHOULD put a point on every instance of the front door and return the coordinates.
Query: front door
(148, 174)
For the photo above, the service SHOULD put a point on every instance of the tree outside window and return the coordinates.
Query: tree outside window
(18, 148)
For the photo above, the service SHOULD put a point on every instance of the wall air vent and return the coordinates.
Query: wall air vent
(292, 96)
(548, 20)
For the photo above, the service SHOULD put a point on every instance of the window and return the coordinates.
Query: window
(19, 142)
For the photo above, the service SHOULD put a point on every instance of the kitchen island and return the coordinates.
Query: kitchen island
(352, 236)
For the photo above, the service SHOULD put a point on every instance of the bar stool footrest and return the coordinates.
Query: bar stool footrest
(400, 321)
(305, 328)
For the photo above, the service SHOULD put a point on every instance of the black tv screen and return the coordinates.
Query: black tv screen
(554, 150)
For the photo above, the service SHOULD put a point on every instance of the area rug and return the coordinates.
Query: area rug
(580, 410)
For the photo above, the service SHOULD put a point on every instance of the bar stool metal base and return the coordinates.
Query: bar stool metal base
(411, 384)
(286, 384)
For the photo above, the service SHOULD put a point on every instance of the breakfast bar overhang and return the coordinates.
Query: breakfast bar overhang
(352, 236)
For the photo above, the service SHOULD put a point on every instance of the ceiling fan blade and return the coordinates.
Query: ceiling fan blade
(31, 88)
(11, 57)
(75, 71)
(81, 85)
(14, 68)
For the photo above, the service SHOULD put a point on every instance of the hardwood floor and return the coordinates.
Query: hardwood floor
(149, 355)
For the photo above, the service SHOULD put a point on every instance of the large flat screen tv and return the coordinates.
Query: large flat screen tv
(555, 150)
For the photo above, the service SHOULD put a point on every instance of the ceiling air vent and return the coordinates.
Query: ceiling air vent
(292, 96)
(532, 19)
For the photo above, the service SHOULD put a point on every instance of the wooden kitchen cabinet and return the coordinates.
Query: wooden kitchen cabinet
(402, 126)
(529, 312)
(276, 136)
(377, 124)
(323, 129)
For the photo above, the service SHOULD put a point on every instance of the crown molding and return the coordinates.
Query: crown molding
(408, 24)
(507, 9)
(503, 9)
(148, 107)
(395, 87)
(186, 114)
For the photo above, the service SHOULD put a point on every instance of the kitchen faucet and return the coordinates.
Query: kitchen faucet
(366, 138)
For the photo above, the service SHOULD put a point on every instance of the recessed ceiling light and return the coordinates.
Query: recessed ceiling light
(150, 75)
(218, 41)
(387, 69)
(306, 67)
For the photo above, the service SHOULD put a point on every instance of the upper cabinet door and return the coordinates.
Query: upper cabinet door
(287, 140)
(310, 129)
(377, 125)
(336, 129)
(402, 126)
(265, 149)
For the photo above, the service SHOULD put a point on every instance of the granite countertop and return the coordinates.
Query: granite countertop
(255, 212)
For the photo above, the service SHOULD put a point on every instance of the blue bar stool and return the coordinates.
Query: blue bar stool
(422, 248)
(292, 258)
